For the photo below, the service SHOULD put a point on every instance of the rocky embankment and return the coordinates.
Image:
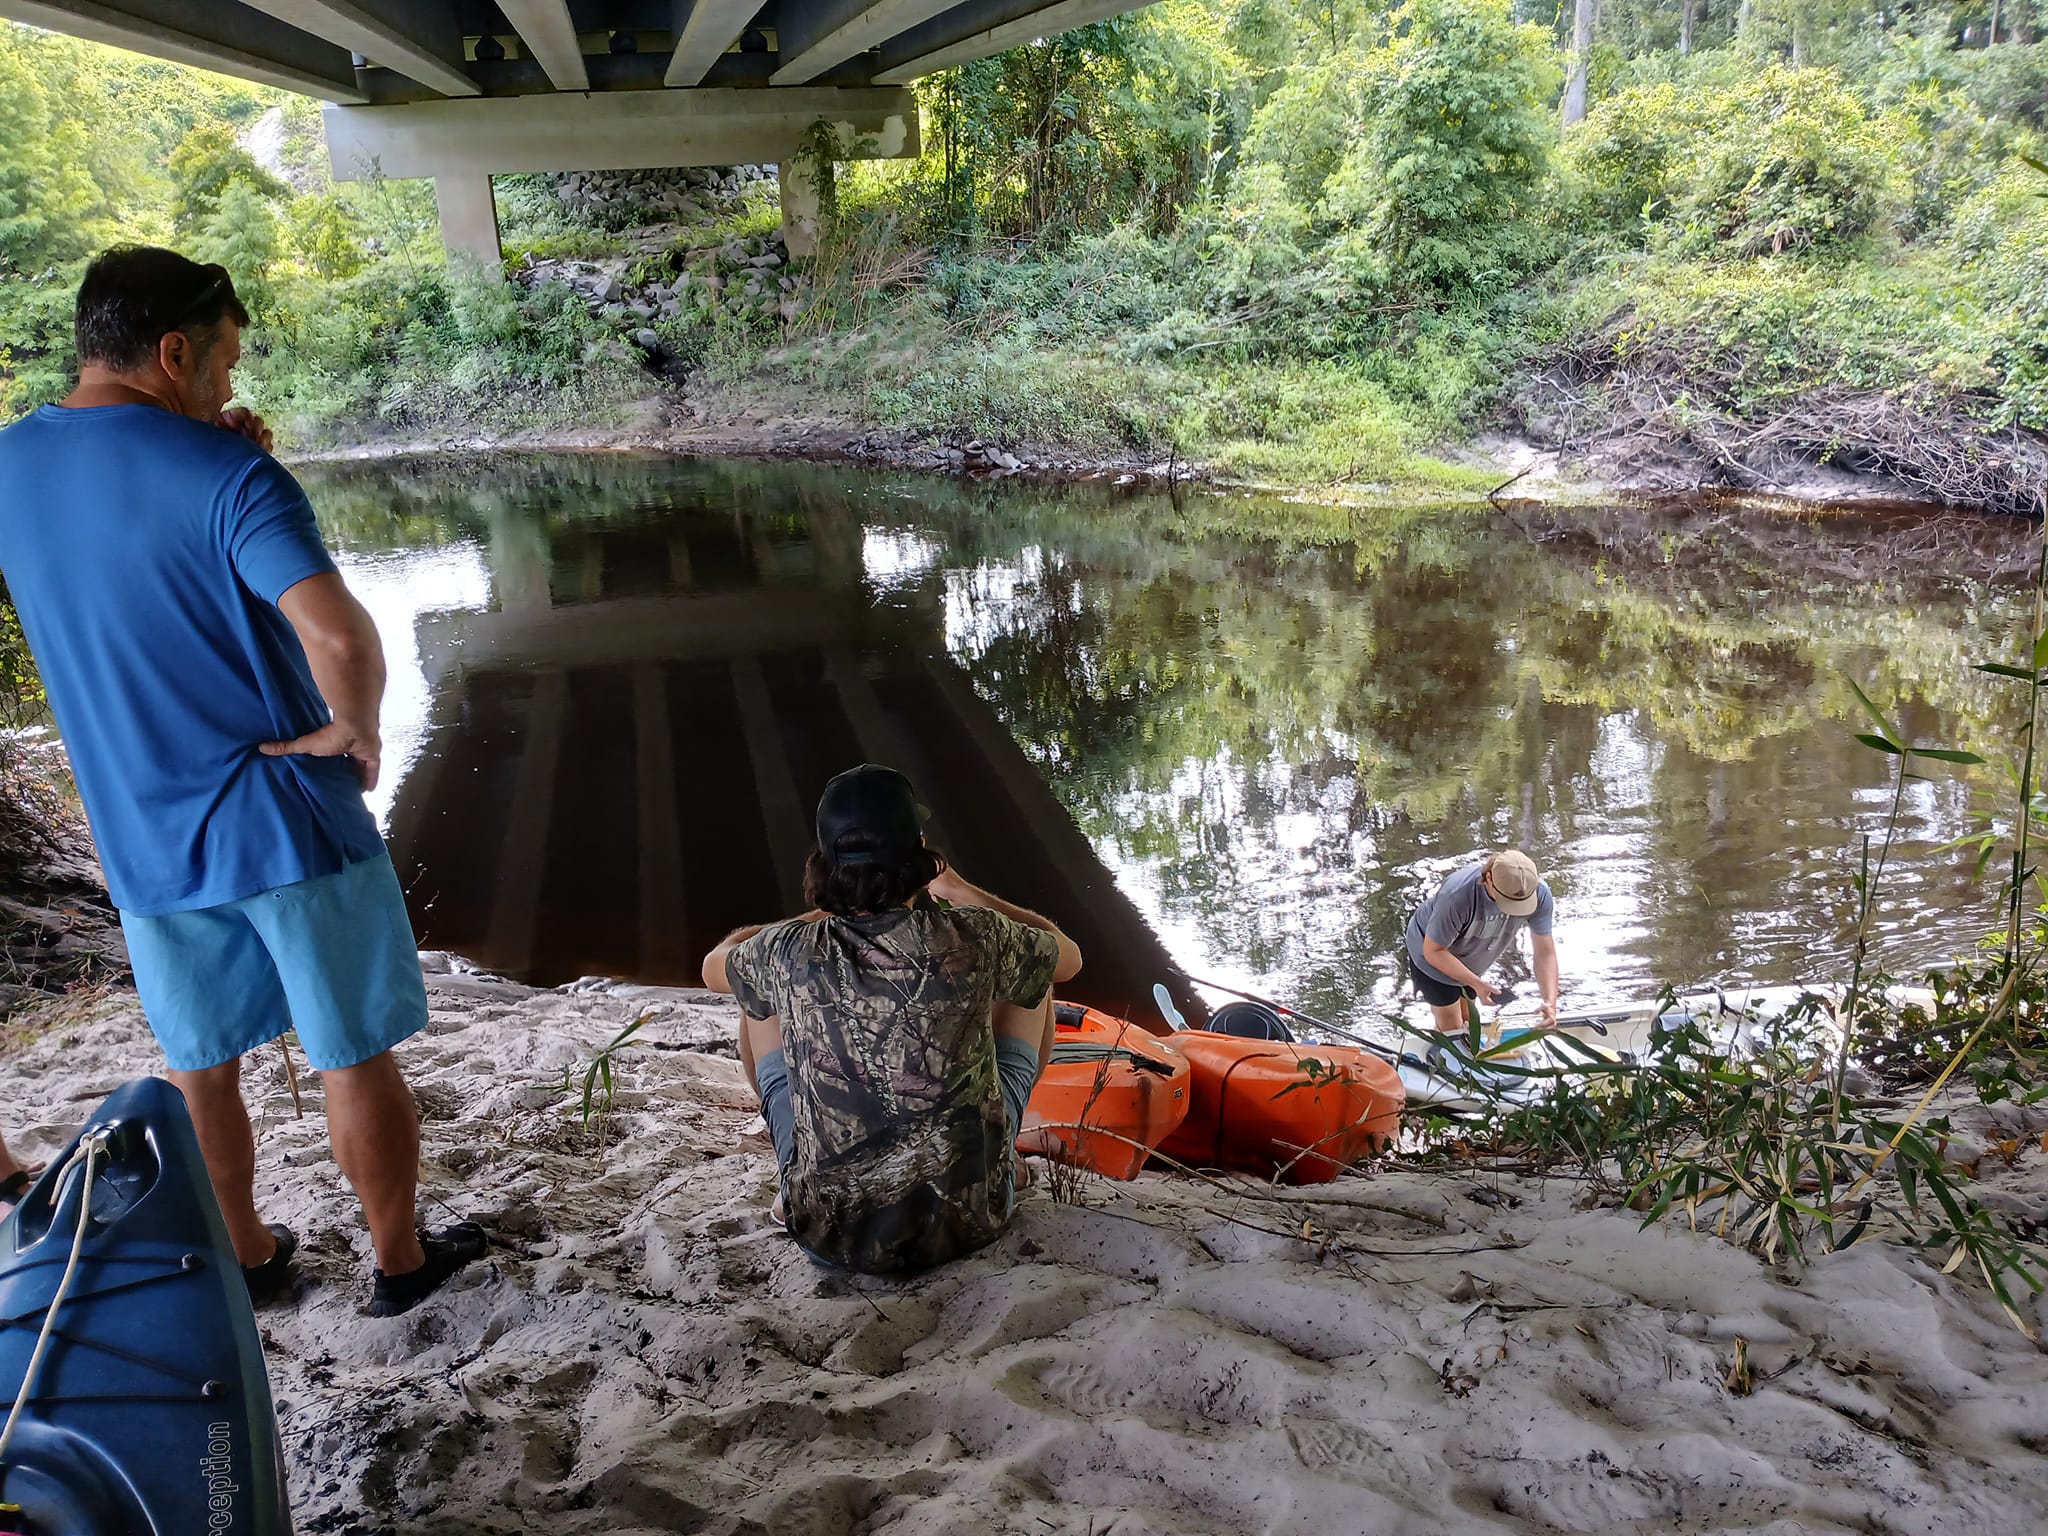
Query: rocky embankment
(674, 270)
(690, 283)
(624, 200)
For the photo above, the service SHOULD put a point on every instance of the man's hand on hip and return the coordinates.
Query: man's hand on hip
(337, 739)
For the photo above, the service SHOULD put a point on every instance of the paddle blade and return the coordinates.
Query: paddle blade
(1167, 1010)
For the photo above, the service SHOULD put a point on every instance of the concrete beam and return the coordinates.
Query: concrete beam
(797, 177)
(523, 861)
(876, 733)
(790, 831)
(397, 36)
(605, 131)
(469, 218)
(932, 54)
(713, 27)
(549, 34)
(228, 38)
(869, 28)
(659, 823)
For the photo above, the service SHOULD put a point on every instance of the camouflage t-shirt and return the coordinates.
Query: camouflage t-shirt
(903, 1153)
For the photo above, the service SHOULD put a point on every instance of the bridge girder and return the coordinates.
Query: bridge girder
(462, 89)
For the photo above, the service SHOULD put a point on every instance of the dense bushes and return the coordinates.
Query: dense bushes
(2002, 237)
(1454, 142)
(35, 339)
(1784, 160)
(1796, 163)
(1403, 163)
(434, 351)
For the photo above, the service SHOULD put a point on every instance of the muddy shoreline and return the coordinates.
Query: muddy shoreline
(1526, 472)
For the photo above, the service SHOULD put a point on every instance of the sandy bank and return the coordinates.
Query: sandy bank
(1401, 1353)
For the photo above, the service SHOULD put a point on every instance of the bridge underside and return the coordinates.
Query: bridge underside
(461, 89)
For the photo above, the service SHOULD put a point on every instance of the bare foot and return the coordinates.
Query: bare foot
(1026, 1175)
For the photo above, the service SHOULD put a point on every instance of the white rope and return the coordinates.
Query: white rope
(89, 1149)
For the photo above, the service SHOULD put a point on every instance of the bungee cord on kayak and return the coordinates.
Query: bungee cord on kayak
(89, 1150)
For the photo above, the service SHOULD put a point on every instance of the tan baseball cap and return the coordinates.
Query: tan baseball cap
(1514, 880)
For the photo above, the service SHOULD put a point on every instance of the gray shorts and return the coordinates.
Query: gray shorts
(1016, 1072)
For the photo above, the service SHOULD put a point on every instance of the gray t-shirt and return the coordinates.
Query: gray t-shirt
(1464, 919)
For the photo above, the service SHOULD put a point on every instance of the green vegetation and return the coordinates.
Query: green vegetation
(1307, 241)
(360, 327)
(1761, 1129)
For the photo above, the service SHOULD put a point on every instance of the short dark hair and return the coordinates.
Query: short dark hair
(847, 889)
(135, 295)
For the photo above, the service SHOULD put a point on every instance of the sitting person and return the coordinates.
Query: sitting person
(894, 1034)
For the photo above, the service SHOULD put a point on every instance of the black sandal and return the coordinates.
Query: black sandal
(273, 1277)
(447, 1251)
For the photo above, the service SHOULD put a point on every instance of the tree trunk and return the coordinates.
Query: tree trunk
(1743, 16)
(1582, 50)
(1687, 9)
(1994, 23)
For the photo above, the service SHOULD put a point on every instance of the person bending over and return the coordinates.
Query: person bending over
(217, 688)
(1472, 920)
(894, 1034)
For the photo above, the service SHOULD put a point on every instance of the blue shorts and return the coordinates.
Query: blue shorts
(1017, 1069)
(332, 957)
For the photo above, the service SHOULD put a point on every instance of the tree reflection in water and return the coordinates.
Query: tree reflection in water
(1280, 725)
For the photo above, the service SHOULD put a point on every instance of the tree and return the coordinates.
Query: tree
(241, 235)
(203, 166)
(1306, 126)
(24, 129)
(1584, 14)
(51, 208)
(324, 236)
(1456, 137)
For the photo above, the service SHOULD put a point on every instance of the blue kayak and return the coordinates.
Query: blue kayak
(151, 1411)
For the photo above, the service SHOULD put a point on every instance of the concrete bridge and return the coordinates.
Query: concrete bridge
(461, 89)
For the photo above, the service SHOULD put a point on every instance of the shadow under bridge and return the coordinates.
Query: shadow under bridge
(626, 750)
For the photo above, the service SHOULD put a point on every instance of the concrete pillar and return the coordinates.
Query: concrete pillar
(799, 179)
(469, 218)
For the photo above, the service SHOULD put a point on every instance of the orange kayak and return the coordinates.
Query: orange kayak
(1111, 1093)
(1301, 1114)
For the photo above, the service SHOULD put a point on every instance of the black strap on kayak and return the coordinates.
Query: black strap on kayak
(1065, 1051)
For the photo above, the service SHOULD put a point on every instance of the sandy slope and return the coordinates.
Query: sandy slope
(647, 1354)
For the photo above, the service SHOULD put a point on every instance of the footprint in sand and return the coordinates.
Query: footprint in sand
(1352, 1454)
(1084, 1388)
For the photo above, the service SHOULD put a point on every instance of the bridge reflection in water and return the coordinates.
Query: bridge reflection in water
(625, 749)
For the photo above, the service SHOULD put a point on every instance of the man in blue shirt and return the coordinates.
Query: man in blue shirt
(1472, 920)
(217, 688)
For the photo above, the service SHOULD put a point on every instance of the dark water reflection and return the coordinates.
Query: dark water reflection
(1275, 728)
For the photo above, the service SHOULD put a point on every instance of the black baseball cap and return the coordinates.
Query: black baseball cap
(873, 808)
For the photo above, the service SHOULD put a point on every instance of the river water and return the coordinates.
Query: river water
(1266, 728)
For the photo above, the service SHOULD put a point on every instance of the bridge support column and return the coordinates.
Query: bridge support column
(469, 218)
(798, 175)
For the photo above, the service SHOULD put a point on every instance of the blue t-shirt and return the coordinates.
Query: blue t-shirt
(145, 553)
